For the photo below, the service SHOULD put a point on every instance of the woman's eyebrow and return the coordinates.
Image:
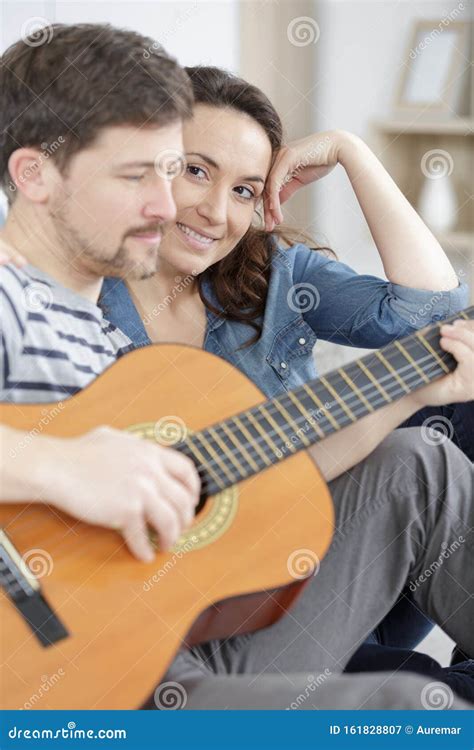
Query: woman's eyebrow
(205, 158)
(214, 164)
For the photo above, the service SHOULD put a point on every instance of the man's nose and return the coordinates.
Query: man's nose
(160, 202)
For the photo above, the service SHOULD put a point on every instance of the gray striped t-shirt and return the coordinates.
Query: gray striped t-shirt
(53, 342)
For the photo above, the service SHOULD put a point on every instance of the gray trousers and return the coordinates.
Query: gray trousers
(404, 516)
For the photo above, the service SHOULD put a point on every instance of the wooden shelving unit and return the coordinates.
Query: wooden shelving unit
(400, 145)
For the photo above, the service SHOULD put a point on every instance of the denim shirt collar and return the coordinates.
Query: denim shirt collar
(117, 305)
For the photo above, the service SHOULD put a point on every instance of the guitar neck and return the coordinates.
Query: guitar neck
(249, 442)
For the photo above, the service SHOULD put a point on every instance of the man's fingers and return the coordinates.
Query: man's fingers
(137, 540)
(162, 516)
(178, 497)
(183, 469)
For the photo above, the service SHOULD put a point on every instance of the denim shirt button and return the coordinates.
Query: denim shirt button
(302, 341)
(283, 365)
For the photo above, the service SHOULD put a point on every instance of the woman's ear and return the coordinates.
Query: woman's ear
(27, 167)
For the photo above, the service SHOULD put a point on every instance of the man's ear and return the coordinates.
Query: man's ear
(32, 173)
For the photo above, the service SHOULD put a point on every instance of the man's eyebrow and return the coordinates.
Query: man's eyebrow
(135, 164)
(146, 164)
(212, 163)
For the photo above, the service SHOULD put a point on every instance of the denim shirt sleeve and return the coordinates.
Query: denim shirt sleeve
(362, 310)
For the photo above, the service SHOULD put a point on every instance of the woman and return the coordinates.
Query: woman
(229, 287)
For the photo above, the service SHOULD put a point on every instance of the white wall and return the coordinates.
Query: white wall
(359, 56)
(195, 32)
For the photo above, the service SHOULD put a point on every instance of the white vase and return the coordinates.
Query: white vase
(437, 203)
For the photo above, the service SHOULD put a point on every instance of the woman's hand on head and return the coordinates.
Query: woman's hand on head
(298, 164)
(8, 254)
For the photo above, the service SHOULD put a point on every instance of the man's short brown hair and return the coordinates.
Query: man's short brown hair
(57, 94)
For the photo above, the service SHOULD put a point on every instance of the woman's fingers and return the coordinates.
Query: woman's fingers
(463, 330)
(268, 219)
(458, 340)
(457, 348)
(276, 181)
(9, 255)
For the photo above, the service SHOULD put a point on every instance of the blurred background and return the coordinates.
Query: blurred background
(395, 72)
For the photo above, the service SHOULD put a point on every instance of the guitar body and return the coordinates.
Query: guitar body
(126, 619)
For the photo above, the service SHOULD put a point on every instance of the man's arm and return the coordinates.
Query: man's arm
(17, 451)
(105, 477)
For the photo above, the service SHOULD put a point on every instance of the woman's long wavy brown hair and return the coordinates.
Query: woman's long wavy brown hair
(240, 279)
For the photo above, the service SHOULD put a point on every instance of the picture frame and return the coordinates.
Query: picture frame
(436, 72)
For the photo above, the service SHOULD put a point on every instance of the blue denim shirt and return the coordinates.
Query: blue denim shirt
(310, 296)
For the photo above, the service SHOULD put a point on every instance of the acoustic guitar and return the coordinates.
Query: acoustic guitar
(84, 624)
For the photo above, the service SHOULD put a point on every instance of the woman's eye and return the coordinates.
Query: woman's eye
(196, 171)
(134, 177)
(245, 192)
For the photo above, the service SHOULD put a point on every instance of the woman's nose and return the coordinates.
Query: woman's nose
(213, 207)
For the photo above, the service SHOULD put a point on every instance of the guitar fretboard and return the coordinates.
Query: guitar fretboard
(251, 441)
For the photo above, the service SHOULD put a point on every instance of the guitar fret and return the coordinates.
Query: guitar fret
(410, 359)
(297, 430)
(252, 441)
(228, 453)
(432, 351)
(261, 432)
(356, 390)
(338, 398)
(431, 365)
(240, 446)
(301, 408)
(214, 455)
(395, 374)
(380, 388)
(283, 437)
(321, 406)
(191, 442)
(260, 437)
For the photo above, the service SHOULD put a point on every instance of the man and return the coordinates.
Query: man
(74, 132)
(79, 116)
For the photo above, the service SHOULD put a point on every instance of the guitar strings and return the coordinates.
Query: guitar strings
(301, 420)
(362, 389)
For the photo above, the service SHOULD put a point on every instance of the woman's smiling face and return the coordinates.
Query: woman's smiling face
(228, 158)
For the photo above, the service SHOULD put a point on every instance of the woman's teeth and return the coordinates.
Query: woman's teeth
(196, 235)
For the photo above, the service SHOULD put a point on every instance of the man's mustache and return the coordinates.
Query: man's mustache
(150, 229)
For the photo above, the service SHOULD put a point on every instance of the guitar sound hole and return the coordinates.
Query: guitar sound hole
(201, 504)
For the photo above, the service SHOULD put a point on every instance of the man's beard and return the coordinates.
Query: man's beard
(87, 255)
